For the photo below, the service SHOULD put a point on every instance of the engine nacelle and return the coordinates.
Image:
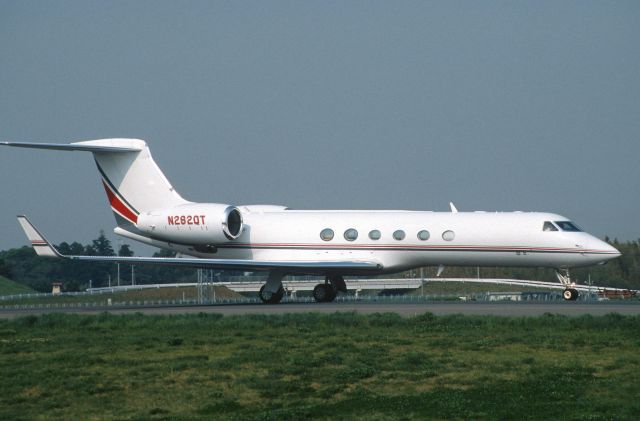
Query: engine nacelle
(194, 223)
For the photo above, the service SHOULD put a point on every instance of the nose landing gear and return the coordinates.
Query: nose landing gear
(272, 291)
(570, 293)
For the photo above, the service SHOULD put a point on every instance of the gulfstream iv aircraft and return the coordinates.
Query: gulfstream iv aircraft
(332, 244)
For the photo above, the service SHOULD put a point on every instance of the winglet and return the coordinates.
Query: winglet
(41, 246)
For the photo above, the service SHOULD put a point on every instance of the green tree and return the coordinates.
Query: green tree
(5, 270)
(125, 251)
(164, 253)
(76, 249)
(102, 246)
(64, 248)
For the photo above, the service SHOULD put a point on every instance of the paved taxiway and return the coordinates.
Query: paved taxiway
(404, 309)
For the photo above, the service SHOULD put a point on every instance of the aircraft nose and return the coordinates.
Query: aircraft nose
(606, 250)
(614, 251)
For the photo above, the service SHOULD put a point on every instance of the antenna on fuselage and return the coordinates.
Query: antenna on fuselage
(453, 207)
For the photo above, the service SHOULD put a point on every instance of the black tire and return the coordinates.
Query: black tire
(324, 293)
(570, 294)
(270, 298)
(278, 296)
(331, 294)
(320, 293)
(575, 294)
(337, 282)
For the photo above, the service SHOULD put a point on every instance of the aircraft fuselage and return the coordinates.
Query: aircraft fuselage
(446, 238)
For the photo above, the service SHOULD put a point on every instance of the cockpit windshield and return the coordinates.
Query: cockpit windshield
(568, 226)
(548, 226)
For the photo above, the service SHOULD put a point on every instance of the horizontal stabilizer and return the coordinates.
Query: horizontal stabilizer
(132, 180)
(80, 146)
(44, 248)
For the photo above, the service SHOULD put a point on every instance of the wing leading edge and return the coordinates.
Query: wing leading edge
(44, 248)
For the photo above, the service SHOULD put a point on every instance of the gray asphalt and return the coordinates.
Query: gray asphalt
(404, 309)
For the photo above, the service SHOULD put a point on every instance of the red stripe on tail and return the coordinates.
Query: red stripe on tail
(117, 205)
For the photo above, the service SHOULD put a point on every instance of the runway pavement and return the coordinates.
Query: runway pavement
(404, 309)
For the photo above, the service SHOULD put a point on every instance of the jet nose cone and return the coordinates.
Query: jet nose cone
(607, 250)
(614, 252)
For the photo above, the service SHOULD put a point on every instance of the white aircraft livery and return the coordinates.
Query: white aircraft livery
(333, 244)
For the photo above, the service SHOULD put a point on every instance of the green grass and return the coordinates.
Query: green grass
(9, 287)
(344, 366)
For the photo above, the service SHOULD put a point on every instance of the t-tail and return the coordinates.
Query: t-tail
(132, 180)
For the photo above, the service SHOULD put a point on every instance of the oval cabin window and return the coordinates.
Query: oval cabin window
(424, 235)
(448, 235)
(326, 234)
(399, 235)
(350, 234)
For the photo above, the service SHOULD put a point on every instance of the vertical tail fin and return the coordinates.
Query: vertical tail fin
(132, 180)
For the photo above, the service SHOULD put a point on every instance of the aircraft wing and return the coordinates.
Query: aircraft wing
(44, 248)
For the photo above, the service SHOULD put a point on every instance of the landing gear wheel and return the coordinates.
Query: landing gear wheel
(337, 283)
(324, 293)
(332, 293)
(570, 294)
(320, 293)
(270, 298)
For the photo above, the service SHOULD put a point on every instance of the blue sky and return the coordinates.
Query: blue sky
(358, 105)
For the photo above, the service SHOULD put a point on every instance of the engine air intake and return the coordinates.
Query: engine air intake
(232, 224)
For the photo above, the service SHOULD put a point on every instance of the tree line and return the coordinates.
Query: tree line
(23, 266)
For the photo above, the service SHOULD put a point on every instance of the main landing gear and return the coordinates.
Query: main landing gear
(272, 291)
(325, 293)
(269, 297)
(570, 293)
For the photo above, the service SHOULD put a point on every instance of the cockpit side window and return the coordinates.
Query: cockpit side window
(568, 226)
(548, 226)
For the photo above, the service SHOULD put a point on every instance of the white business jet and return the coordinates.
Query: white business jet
(333, 244)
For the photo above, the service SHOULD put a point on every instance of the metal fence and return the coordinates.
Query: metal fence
(49, 294)
(112, 304)
(210, 299)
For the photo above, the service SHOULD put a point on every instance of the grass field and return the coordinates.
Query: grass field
(344, 366)
(8, 287)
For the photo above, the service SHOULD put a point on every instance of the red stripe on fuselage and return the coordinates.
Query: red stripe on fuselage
(118, 206)
(405, 247)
